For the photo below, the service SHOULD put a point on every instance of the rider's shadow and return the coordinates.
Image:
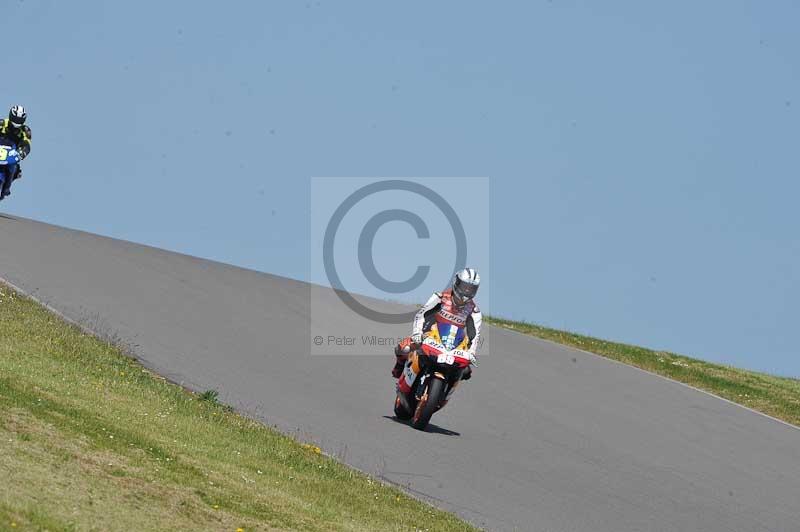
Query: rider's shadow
(433, 428)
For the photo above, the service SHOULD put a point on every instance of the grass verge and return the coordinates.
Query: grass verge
(89, 439)
(778, 397)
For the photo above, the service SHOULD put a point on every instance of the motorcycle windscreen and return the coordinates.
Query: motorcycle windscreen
(450, 334)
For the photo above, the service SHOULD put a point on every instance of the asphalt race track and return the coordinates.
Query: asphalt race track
(543, 438)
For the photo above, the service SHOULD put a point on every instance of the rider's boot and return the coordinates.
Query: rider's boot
(399, 364)
(6, 191)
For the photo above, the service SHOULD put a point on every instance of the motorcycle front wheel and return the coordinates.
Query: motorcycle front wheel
(429, 403)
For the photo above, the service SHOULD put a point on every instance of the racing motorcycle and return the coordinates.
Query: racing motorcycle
(9, 159)
(439, 362)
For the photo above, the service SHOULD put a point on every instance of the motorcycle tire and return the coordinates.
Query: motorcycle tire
(428, 404)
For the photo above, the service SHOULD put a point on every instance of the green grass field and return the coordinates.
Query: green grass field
(90, 440)
(776, 396)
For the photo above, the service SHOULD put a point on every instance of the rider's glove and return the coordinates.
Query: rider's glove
(416, 338)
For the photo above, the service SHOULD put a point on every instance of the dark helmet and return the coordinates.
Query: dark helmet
(465, 286)
(17, 116)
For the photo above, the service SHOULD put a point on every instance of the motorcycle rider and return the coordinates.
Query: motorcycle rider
(14, 129)
(455, 305)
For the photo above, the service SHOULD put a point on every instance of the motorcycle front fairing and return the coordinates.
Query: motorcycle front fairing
(9, 159)
(430, 368)
(445, 354)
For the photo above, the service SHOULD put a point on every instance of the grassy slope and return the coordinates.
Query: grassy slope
(91, 440)
(776, 396)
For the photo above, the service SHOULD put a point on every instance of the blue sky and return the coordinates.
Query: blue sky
(643, 158)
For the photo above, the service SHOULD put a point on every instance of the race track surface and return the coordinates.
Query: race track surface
(544, 437)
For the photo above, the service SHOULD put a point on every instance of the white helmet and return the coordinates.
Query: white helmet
(17, 116)
(465, 286)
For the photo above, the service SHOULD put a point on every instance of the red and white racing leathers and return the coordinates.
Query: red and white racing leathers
(440, 308)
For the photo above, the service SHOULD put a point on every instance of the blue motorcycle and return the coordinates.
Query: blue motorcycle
(9, 159)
